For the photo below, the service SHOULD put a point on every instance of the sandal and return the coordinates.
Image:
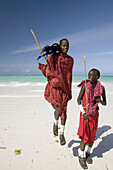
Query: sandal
(55, 129)
(62, 140)
(82, 163)
(88, 158)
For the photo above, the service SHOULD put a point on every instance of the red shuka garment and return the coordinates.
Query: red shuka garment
(58, 88)
(87, 129)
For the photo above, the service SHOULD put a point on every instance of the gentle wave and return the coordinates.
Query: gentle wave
(20, 96)
(18, 84)
(40, 84)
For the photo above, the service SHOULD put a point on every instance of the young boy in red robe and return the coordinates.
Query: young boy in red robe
(58, 88)
(88, 100)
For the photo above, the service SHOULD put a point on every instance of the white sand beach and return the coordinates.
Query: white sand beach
(26, 121)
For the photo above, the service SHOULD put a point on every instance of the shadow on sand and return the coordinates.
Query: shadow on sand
(101, 130)
(104, 146)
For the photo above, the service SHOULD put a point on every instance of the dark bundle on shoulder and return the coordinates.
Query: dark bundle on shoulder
(53, 49)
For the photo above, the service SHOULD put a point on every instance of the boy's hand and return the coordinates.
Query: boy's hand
(97, 99)
(85, 116)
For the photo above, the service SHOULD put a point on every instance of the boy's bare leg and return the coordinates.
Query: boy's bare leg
(81, 155)
(82, 145)
(88, 150)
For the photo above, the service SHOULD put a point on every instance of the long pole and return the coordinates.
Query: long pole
(39, 47)
(85, 83)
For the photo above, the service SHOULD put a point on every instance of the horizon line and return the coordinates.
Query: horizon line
(43, 75)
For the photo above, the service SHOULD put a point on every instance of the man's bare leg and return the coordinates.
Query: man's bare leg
(62, 138)
(56, 117)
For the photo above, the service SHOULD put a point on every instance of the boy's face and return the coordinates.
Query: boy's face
(92, 76)
(64, 46)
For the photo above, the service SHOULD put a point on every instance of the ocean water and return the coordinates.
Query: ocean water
(12, 78)
(22, 86)
(42, 79)
(35, 85)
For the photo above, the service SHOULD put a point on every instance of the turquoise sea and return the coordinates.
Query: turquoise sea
(34, 86)
(42, 79)
(22, 78)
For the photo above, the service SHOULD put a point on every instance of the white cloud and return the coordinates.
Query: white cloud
(34, 47)
(16, 65)
(91, 34)
(26, 49)
(75, 38)
(100, 53)
(27, 71)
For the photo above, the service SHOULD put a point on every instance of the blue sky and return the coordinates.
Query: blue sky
(87, 24)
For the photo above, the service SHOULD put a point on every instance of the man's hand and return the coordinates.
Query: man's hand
(39, 66)
(49, 73)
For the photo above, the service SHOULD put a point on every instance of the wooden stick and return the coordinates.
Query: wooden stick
(39, 47)
(85, 84)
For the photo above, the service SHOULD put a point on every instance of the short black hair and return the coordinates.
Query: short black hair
(63, 40)
(98, 72)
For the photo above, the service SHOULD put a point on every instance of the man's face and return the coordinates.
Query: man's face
(64, 46)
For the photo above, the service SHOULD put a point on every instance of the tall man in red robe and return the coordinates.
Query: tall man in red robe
(58, 88)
